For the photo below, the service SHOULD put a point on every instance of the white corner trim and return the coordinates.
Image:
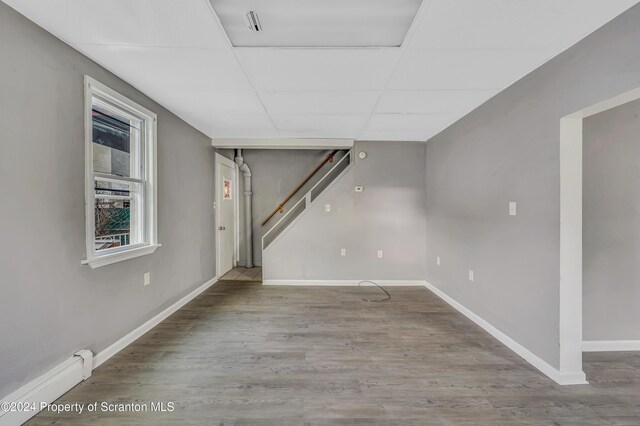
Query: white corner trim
(570, 290)
(577, 378)
(610, 345)
(346, 283)
(43, 390)
(108, 259)
(116, 347)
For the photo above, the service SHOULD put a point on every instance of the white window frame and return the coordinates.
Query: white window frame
(149, 178)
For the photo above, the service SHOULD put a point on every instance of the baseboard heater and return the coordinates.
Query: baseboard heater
(26, 402)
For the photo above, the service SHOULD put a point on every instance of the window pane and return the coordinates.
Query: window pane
(116, 141)
(105, 187)
(118, 214)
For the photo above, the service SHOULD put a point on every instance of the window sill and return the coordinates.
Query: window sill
(108, 259)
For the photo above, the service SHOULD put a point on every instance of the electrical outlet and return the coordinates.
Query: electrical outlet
(343, 252)
(513, 208)
(327, 208)
(380, 254)
(471, 275)
(147, 278)
(438, 260)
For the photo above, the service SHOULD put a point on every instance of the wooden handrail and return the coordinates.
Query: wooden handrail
(280, 207)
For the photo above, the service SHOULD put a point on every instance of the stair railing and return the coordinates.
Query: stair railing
(306, 201)
(280, 207)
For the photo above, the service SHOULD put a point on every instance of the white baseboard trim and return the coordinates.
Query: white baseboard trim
(125, 341)
(610, 345)
(562, 378)
(346, 283)
(60, 379)
(43, 390)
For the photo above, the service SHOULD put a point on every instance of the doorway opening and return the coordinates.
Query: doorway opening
(571, 235)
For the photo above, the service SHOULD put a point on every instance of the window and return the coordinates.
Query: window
(120, 145)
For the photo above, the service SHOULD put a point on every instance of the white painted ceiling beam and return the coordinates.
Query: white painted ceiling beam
(283, 143)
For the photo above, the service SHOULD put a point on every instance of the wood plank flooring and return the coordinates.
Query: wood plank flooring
(240, 273)
(244, 354)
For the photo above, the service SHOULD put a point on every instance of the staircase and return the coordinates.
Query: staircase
(304, 204)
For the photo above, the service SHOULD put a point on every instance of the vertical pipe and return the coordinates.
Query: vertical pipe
(247, 216)
(244, 168)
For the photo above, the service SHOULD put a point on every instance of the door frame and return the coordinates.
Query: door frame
(571, 344)
(218, 200)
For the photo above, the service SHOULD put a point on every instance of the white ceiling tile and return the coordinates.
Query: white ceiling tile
(203, 86)
(410, 121)
(511, 23)
(320, 134)
(319, 122)
(312, 23)
(165, 23)
(432, 101)
(242, 132)
(396, 135)
(465, 69)
(156, 70)
(327, 102)
(318, 69)
(214, 102)
(234, 121)
(231, 125)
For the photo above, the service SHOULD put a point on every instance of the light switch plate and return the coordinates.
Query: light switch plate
(438, 260)
(343, 252)
(471, 275)
(327, 208)
(380, 254)
(513, 208)
(147, 278)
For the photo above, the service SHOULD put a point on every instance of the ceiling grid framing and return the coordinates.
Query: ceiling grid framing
(455, 56)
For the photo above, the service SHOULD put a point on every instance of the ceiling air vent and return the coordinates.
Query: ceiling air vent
(318, 23)
(253, 22)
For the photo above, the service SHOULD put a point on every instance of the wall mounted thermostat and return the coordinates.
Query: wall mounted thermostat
(359, 188)
(362, 155)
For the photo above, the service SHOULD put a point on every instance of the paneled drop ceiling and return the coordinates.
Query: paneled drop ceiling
(456, 55)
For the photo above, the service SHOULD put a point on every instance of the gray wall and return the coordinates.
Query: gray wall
(388, 215)
(51, 305)
(611, 224)
(508, 150)
(227, 153)
(275, 173)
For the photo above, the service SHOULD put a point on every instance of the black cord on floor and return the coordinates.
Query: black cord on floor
(371, 300)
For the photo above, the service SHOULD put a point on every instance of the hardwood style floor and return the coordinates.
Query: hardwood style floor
(245, 354)
(240, 273)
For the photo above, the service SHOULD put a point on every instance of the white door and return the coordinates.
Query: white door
(225, 195)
